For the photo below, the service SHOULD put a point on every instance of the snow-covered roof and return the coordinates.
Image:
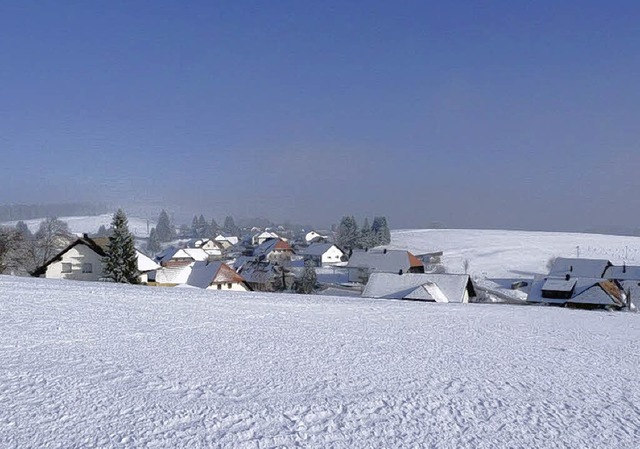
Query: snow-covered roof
(196, 254)
(386, 261)
(419, 286)
(592, 291)
(271, 245)
(145, 263)
(318, 249)
(203, 274)
(588, 268)
(620, 273)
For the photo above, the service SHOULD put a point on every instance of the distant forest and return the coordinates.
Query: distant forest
(14, 212)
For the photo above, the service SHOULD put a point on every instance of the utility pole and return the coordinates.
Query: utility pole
(578, 251)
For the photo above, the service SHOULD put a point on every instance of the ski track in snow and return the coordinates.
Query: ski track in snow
(99, 365)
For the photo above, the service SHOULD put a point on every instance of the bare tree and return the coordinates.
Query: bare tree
(52, 236)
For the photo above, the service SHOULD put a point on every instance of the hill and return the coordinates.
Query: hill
(140, 227)
(103, 365)
(509, 254)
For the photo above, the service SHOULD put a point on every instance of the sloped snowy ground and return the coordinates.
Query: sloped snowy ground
(90, 224)
(99, 365)
(512, 254)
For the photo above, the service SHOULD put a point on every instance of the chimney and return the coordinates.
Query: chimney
(400, 272)
(567, 277)
(571, 268)
(85, 236)
(384, 251)
(624, 267)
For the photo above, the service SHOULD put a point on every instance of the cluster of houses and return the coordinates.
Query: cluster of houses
(268, 262)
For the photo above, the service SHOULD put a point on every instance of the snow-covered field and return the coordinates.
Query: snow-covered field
(509, 254)
(140, 227)
(100, 365)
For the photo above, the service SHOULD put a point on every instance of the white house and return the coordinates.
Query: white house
(262, 237)
(226, 241)
(82, 260)
(323, 254)
(211, 247)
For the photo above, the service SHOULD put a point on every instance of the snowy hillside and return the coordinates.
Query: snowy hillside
(140, 227)
(100, 365)
(508, 254)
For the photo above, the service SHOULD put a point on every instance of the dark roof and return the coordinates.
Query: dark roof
(385, 261)
(588, 291)
(586, 268)
(99, 249)
(271, 245)
(623, 273)
(317, 249)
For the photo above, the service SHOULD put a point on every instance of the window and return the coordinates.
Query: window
(66, 267)
(229, 285)
(87, 268)
(219, 286)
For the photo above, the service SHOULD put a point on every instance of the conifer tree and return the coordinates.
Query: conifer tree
(365, 239)
(347, 234)
(24, 231)
(380, 230)
(121, 263)
(309, 278)
(194, 227)
(230, 226)
(153, 245)
(164, 229)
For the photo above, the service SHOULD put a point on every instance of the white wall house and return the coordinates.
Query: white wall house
(323, 254)
(216, 276)
(259, 239)
(80, 261)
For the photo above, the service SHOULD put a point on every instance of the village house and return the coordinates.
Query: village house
(457, 288)
(211, 247)
(216, 276)
(82, 260)
(315, 237)
(577, 292)
(262, 237)
(321, 254)
(363, 263)
(176, 264)
(265, 276)
(274, 250)
(226, 241)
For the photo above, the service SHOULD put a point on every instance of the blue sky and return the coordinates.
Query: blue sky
(471, 114)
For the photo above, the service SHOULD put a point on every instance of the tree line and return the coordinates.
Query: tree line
(349, 236)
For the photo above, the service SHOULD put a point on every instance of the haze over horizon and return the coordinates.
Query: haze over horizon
(472, 115)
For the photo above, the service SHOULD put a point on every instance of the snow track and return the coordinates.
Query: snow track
(98, 365)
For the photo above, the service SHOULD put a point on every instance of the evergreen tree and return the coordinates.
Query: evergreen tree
(194, 227)
(366, 239)
(203, 227)
(214, 229)
(153, 245)
(347, 234)
(380, 230)
(121, 264)
(230, 227)
(24, 231)
(308, 280)
(103, 231)
(164, 229)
